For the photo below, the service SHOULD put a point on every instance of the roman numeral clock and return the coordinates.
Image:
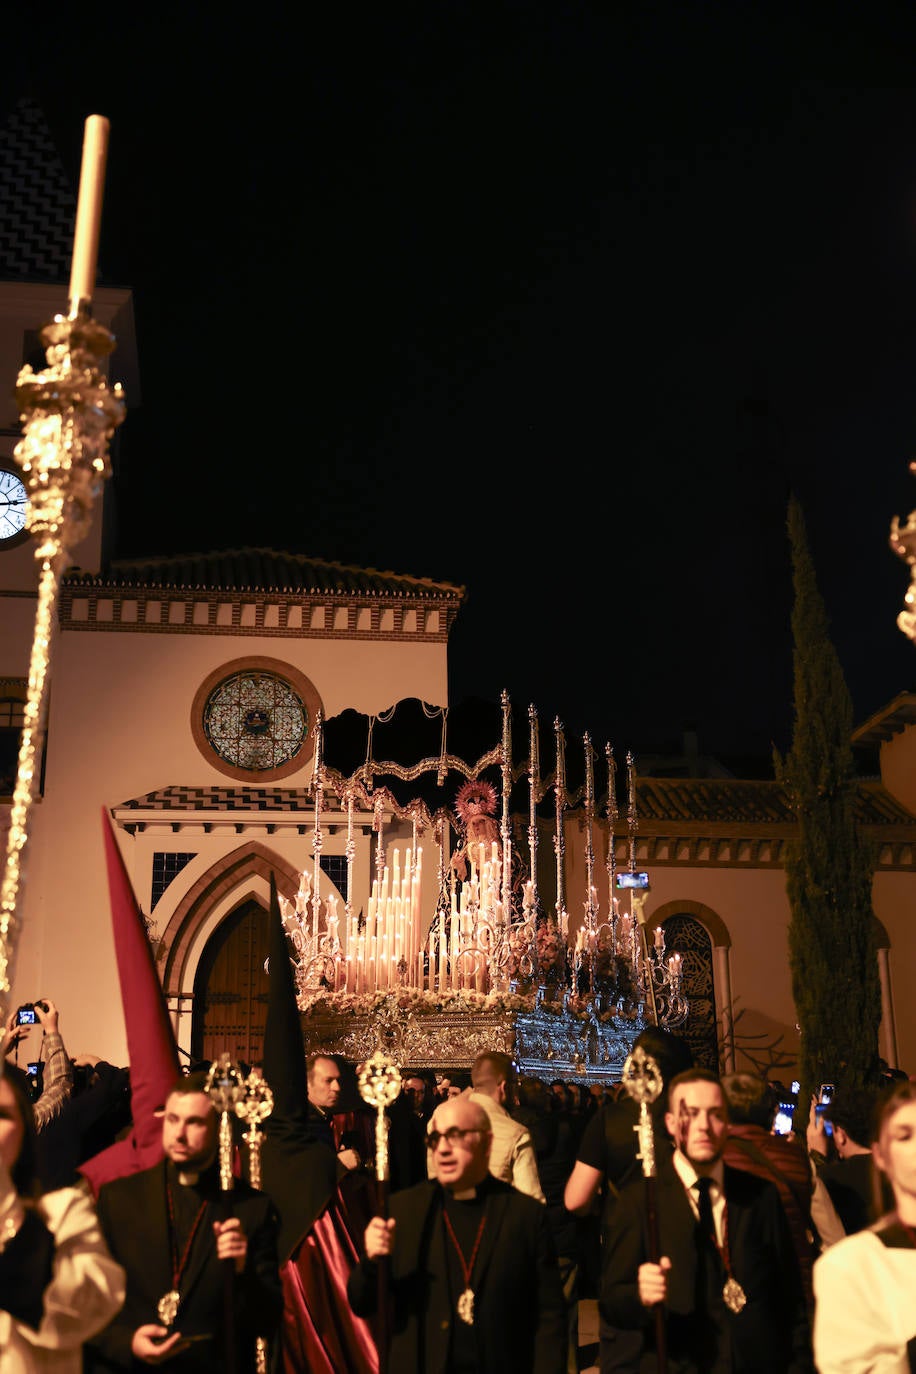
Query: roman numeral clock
(14, 502)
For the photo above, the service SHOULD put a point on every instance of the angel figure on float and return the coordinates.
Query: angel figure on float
(476, 807)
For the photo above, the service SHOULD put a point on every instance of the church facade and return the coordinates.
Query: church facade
(188, 697)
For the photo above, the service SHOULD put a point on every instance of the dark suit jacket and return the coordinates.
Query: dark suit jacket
(770, 1336)
(133, 1212)
(519, 1314)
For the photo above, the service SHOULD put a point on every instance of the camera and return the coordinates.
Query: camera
(25, 1016)
(632, 879)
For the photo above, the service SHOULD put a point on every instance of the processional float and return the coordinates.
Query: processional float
(489, 967)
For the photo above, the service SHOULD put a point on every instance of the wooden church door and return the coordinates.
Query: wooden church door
(230, 989)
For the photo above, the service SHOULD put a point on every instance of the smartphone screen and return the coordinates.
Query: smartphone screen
(782, 1122)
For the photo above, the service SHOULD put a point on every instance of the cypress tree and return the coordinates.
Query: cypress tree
(829, 862)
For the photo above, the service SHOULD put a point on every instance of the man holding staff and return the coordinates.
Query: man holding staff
(474, 1279)
(727, 1277)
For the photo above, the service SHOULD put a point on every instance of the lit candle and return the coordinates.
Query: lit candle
(88, 211)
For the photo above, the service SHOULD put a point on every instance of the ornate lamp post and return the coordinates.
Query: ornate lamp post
(69, 414)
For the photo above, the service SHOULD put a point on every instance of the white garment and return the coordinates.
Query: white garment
(86, 1290)
(865, 1306)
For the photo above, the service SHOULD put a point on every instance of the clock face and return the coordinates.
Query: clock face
(14, 502)
(255, 721)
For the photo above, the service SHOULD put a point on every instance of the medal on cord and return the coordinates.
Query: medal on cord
(733, 1295)
(168, 1304)
(466, 1300)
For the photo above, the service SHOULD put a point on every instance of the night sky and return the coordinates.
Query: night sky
(554, 301)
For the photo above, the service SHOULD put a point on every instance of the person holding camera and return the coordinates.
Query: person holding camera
(53, 1078)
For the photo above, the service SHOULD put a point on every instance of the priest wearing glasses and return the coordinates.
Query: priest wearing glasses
(472, 1276)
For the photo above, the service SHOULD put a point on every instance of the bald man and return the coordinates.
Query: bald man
(472, 1269)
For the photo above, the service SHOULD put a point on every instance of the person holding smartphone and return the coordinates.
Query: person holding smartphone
(846, 1168)
(57, 1074)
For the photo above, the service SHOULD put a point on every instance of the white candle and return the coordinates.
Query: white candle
(88, 211)
(373, 904)
(453, 981)
(442, 947)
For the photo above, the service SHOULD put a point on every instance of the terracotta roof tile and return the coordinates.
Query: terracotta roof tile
(265, 570)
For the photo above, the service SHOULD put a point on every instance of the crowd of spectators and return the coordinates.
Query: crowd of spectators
(571, 1147)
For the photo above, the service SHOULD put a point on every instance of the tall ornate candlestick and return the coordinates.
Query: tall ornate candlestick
(317, 833)
(591, 913)
(69, 415)
(534, 793)
(505, 762)
(379, 1080)
(642, 1080)
(225, 1086)
(612, 846)
(559, 840)
(254, 1106)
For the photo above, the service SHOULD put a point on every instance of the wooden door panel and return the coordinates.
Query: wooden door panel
(230, 990)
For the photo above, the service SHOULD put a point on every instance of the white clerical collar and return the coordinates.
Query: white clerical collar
(188, 1180)
(464, 1195)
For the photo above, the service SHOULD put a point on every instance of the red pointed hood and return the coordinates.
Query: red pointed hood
(151, 1047)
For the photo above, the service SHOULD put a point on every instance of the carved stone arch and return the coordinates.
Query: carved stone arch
(231, 874)
(702, 939)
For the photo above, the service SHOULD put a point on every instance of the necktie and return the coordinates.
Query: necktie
(707, 1226)
(707, 1249)
(708, 1292)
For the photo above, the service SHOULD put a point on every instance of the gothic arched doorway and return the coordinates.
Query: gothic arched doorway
(685, 935)
(230, 988)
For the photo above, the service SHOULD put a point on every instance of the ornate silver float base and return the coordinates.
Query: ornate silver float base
(545, 1043)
